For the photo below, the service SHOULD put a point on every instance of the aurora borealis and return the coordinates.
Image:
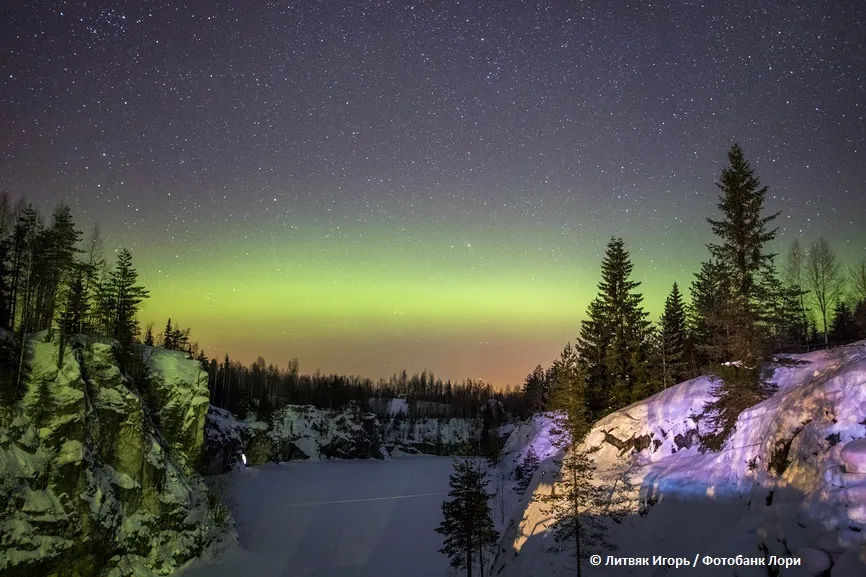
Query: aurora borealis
(377, 186)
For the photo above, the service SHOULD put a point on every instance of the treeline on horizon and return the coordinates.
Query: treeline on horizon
(742, 308)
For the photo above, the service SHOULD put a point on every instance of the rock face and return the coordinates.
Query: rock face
(298, 432)
(226, 439)
(96, 476)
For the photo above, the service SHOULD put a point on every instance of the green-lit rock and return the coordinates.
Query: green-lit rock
(96, 474)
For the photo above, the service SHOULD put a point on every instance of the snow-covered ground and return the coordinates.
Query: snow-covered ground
(352, 518)
(789, 483)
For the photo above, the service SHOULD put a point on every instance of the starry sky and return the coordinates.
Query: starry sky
(371, 186)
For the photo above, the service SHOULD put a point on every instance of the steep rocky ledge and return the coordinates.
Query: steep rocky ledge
(97, 475)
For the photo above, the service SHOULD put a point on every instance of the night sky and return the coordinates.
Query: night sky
(378, 186)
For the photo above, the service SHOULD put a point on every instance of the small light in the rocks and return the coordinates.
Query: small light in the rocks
(244, 459)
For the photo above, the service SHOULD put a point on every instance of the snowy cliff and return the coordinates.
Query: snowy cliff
(306, 432)
(789, 484)
(97, 475)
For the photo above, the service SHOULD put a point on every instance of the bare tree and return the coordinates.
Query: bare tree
(824, 278)
(795, 277)
(858, 281)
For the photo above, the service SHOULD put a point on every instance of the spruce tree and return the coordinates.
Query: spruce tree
(742, 232)
(467, 524)
(168, 336)
(126, 296)
(728, 299)
(615, 335)
(780, 319)
(707, 313)
(673, 339)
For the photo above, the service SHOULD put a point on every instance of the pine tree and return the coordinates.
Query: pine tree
(148, 335)
(742, 232)
(126, 295)
(574, 529)
(780, 318)
(673, 339)
(168, 336)
(614, 339)
(467, 525)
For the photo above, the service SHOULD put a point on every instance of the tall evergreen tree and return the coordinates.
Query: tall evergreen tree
(780, 320)
(673, 339)
(126, 295)
(742, 232)
(467, 524)
(614, 339)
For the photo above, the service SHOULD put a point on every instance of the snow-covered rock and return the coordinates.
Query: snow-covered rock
(225, 440)
(789, 477)
(306, 432)
(91, 485)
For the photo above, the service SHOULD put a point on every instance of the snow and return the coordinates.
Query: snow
(787, 480)
(341, 518)
(854, 456)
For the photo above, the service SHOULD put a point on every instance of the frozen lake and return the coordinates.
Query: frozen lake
(336, 519)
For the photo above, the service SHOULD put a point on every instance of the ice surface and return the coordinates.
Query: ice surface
(336, 519)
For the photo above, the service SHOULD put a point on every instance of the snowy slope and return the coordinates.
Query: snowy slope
(788, 482)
